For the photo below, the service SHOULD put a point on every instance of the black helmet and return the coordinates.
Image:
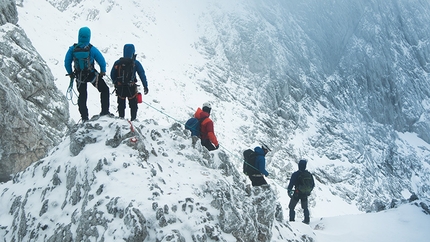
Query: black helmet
(265, 147)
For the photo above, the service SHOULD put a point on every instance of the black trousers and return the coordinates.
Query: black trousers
(97, 81)
(303, 201)
(207, 143)
(123, 93)
(257, 180)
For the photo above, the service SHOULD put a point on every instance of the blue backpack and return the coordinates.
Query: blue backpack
(193, 125)
(81, 58)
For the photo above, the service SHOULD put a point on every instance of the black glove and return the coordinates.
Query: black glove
(290, 193)
(217, 147)
(71, 75)
(145, 90)
(102, 74)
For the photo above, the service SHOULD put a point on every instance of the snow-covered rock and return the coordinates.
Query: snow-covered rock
(34, 114)
(106, 182)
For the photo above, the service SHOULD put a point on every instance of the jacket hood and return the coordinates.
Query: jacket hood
(259, 150)
(302, 165)
(200, 114)
(84, 36)
(128, 50)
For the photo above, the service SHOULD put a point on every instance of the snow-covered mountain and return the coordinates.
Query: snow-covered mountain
(342, 84)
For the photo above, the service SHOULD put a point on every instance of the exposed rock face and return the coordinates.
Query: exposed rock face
(33, 113)
(8, 12)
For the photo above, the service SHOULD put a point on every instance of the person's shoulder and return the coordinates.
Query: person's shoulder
(94, 49)
(296, 173)
(71, 48)
(138, 64)
(259, 150)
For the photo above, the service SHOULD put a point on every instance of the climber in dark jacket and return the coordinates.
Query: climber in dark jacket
(260, 163)
(296, 195)
(128, 91)
(85, 72)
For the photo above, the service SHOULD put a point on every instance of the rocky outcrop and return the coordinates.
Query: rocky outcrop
(33, 112)
(8, 12)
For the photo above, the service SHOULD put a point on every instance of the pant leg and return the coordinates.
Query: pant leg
(304, 203)
(257, 180)
(104, 94)
(132, 103)
(121, 107)
(82, 99)
(292, 205)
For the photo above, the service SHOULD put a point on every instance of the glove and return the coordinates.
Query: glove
(217, 147)
(71, 75)
(145, 90)
(290, 193)
(102, 74)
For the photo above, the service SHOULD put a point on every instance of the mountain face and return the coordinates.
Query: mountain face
(34, 114)
(342, 84)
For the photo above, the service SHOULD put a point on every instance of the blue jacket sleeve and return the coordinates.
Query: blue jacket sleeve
(141, 73)
(68, 60)
(261, 165)
(97, 55)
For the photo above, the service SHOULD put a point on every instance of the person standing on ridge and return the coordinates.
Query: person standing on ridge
(207, 135)
(123, 75)
(83, 54)
(303, 183)
(260, 163)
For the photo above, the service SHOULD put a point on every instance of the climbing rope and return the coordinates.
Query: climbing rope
(231, 153)
(70, 91)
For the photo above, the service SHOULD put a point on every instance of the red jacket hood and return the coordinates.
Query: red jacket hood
(200, 114)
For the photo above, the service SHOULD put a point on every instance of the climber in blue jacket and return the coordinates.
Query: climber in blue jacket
(83, 55)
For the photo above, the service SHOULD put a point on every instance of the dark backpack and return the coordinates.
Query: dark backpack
(305, 182)
(249, 166)
(193, 125)
(126, 70)
(81, 58)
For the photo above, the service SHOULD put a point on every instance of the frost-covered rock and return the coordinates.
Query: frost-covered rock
(33, 113)
(8, 12)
